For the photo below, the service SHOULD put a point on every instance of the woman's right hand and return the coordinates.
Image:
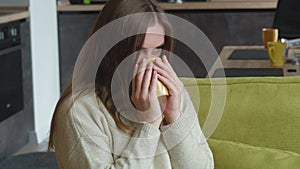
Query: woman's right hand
(144, 95)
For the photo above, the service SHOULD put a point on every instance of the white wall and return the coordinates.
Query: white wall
(45, 65)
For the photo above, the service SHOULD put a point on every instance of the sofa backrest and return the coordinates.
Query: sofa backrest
(259, 111)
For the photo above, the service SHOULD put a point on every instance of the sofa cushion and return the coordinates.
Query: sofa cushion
(234, 155)
(260, 111)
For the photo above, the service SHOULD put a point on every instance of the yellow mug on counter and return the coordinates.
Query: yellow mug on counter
(161, 89)
(276, 53)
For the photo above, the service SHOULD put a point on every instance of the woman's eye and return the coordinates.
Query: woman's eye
(156, 51)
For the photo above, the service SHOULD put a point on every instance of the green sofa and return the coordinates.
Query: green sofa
(260, 124)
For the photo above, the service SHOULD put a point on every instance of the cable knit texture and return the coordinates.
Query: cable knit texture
(86, 136)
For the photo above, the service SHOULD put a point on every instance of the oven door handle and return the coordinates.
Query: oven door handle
(10, 49)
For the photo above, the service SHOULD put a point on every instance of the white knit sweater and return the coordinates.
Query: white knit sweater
(87, 137)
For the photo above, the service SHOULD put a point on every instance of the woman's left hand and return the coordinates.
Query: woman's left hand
(168, 77)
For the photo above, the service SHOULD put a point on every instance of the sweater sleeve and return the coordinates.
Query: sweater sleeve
(91, 144)
(185, 141)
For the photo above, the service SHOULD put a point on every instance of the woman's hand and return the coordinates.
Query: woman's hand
(144, 95)
(168, 77)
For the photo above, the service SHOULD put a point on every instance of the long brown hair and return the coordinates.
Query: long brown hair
(113, 10)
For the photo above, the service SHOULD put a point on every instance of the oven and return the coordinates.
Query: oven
(11, 81)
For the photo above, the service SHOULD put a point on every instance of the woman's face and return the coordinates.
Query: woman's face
(153, 43)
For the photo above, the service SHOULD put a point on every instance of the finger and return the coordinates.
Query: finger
(165, 60)
(172, 88)
(162, 65)
(133, 86)
(139, 77)
(170, 76)
(165, 69)
(146, 81)
(153, 82)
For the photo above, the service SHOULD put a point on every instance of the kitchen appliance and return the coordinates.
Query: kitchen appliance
(11, 83)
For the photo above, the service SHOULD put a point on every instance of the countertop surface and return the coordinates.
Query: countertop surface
(65, 6)
(12, 15)
(17, 13)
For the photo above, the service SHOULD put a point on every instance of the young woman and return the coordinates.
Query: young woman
(90, 130)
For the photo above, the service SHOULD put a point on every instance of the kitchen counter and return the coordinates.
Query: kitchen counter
(12, 15)
(65, 6)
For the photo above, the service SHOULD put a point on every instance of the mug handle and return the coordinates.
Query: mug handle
(271, 50)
